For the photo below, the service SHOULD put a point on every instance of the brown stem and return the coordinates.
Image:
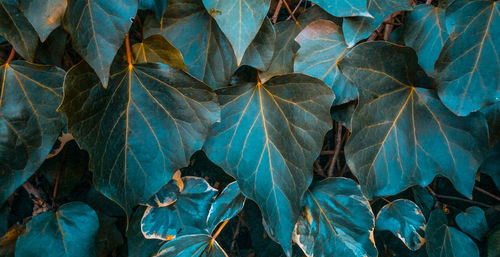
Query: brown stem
(487, 193)
(277, 11)
(456, 198)
(428, 2)
(11, 56)
(235, 234)
(216, 234)
(129, 53)
(339, 141)
(294, 10)
(291, 13)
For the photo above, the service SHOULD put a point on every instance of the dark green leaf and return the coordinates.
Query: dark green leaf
(358, 28)
(336, 220)
(401, 134)
(468, 67)
(494, 244)
(193, 246)
(29, 123)
(109, 237)
(268, 139)
(405, 220)
(227, 205)
(138, 245)
(51, 51)
(423, 199)
(445, 241)
(473, 222)
(45, 16)
(17, 29)
(240, 20)
(68, 232)
(134, 128)
(260, 52)
(322, 45)
(343, 113)
(206, 51)
(157, 6)
(491, 164)
(345, 8)
(97, 29)
(157, 49)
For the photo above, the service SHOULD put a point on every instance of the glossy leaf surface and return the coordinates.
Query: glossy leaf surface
(405, 220)
(134, 128)
(191, 245)
(29, 123)
(402, 135)
(226, 206)
(336, 220)
(260, 52)
(345, 8)
(268, 138)
(468, 67)
(473, 222)
(45, 16)
(157, 49)
(157, 6)
(68, 232)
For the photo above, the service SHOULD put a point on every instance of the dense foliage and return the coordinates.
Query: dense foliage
(249, 128)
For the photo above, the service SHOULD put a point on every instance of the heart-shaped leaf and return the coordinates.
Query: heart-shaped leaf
(345, 8)
(268, 139)
(157, 49)
(260, 52)
(473, 222)
(157, 6)
(193, 246)
(45, 16)
(403, 135)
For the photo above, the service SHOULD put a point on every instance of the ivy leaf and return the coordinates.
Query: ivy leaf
(468, 68)
(426, 33)
(134, 128)
(358, 28)
(45, 16)
(403, 135)
(268, 139)
(157, 49)
(240, 20)
(138, 245)
(207, 52)
(336, 220)
(51, 52)
(322, 46)
(493, 244)
(167, 195)
(345, 8)
(17, 29)
(68, 232)
(97, 29)
(423, 199)
(260, 52)
(405, 220)
(29, 123)
(109, 236)
(343, 113)
(445, 241)
(492, 162)
(192, 245)
(473, 222)
(157, 6)
(227, 205)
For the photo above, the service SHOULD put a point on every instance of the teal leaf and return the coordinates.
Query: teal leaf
(29, 123)
(138, 245)
(193, 246)
(343, 113)
(423, 199)
(322, 46)
(491, 164)
(345, 8)
(134, 128)
(227, 205)
(473, 222)
(157, 49)
(260, 52)
(445, 241)
(17, 29)
(157, 6)
(426, 33)
(207, 52)
(336, 220)
(402, 135)
(240, 20)
(468, 68)
(45, 16)
(358, 28)
(68, 232)
(167, 195)
(405, 220)
(268, 138)
(98, 28)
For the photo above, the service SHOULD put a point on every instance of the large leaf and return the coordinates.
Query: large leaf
(193, 246)
(358, 28)
(157, 49)
(445, 241)
(260, 52)
(268, 139)
(227, 205)
(345, 8)
(468, 67)
(139, 130)
(336, 220)
(207, 52)
(45, 16)
(17, 29)
(29, 123)
(473, 222)
(68, 232)
(97, 29)
(426, 33)
(157, 6)
(240, 20)
(402, 135)
(405, 220)
(322, 46)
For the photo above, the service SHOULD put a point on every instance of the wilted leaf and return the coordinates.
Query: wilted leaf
(473, 222)
(157, 6)
(260, 52)
(45, 16)
(193, 246)
(345, 8)
(401, 134)
(157, 49)
(227, 205)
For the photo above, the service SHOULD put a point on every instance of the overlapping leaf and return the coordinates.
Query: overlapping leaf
(260, 52)
(336, 220)
(268, 138)
(402, 135)
(345, 8)
(157, 6)
(227, 205)
(139, 130)
(473, 222)
(138, 245)
(192, 245)
(322, 45)
(468, 67)
(29, 123)
(157, 49)
(492, 162)
(45, 16)
(98, 28)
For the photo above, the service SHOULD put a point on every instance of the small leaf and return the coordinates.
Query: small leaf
(473, 222)
(260, 52)
(157, 49)
(45, 16)
(226, 206)
(68, 232)
(405, 220)
(167, 195)
(345, 8)
(343, 113)
(336, 220)
(157, 6)
(193, 246)
(138, 245)
(423, 199)
(445, 241)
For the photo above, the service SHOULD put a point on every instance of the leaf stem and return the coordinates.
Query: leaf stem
(291, 13)
(487, 193)
(11, 56)
(216, 234)
(456, 198)
(129, 53)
